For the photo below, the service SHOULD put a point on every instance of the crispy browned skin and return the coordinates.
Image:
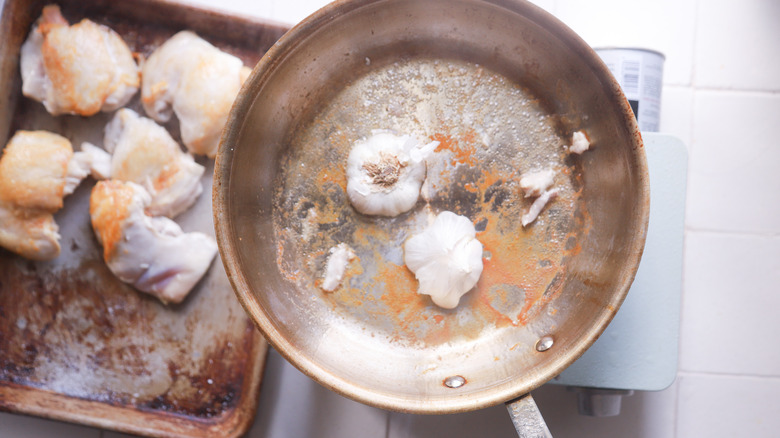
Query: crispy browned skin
(33, 169)
(89, 66)
(108, 208)
(33, 172)
(197, 81)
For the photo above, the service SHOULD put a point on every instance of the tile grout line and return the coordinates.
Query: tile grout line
(676, 418)
(734, 90)
(689, 373)
(732, 233)
(691, 149)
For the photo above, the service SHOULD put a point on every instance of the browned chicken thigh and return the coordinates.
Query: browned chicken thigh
(151, 253)
(144, 153)
(196, 81)
(37, 170)
(80, 69)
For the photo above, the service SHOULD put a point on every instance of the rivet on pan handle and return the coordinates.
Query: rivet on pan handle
(527, 419)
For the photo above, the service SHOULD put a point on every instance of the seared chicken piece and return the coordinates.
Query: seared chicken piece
(33, 170)
(151, 253)
(79, 69)
(33, 234)
(144, 153)
(37, 170)
(190, 77)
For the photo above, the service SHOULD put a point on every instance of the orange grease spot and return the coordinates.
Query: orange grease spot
(333, 174)
(401, 293)
(463, 149)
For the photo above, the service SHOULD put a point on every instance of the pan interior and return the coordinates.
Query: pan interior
(502, 88)
(491, 131)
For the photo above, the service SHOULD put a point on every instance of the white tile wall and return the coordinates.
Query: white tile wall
(722, 98)
(737, 45)
(730, 325)
(663, 25)
(724, 406)
(733, 163)
(677, 113)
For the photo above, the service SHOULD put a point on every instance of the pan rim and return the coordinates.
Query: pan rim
(500, 393)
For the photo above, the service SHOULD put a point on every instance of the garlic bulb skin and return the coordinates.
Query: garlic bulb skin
(446, 258)
(385, 172)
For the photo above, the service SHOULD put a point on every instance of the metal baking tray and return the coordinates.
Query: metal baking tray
(78, 345)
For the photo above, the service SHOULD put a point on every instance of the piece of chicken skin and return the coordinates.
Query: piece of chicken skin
(80, 69)
(151, 253)
(37, 170)
(198, 82)
(143, 152)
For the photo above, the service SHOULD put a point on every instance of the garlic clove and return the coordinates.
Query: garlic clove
(538, 206)
(420, 153)
(579, 143)
(340, 256)
(536, 183)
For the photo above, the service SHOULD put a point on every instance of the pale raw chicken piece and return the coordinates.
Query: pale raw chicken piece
(80, 69)
(144, 153)
(196, 81)
(151, 253)
(37, 170)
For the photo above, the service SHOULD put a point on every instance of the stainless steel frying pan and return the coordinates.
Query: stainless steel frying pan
(502, 85)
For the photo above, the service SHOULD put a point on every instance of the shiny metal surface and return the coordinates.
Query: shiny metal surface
(526, 418)
(545, 343)
(454, 381)
(376, 340)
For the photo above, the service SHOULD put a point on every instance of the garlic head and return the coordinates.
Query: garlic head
(385, 172)
(446, 258)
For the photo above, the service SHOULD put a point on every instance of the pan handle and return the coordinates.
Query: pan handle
(527, 419)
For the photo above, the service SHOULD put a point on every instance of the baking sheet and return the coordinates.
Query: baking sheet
(75, 343)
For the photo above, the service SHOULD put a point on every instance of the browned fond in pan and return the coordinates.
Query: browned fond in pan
(502, 85)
